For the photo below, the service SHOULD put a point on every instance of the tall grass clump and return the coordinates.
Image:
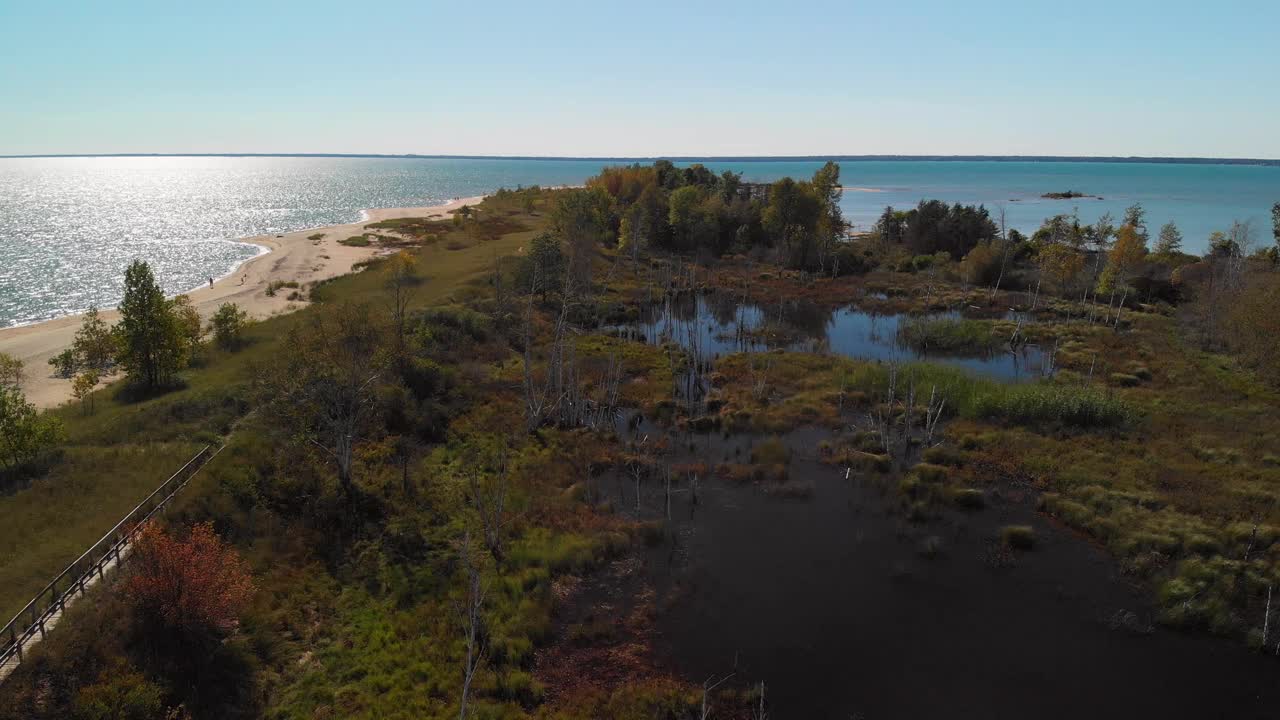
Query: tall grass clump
(1073, 405)
(980, 398)
(946, 335)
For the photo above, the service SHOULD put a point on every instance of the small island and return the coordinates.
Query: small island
(1068, 195)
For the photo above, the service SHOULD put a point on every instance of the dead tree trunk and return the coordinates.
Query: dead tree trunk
(470, 616)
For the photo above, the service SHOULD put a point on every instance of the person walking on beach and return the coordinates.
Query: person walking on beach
(210, 283)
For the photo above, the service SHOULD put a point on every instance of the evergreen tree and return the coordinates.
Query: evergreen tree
(150, 335)
(1170, 240)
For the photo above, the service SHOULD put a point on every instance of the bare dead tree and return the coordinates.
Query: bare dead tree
(470, 614)
(759, 712)
(1266, 619)
(937, 402)
(490, 500)
(707, 687)
(540, 398)
(882, 418)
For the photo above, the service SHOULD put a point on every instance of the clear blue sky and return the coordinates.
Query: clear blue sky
(693, 77)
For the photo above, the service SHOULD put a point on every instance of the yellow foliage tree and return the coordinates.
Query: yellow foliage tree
(1060, 264)
(1125, 256)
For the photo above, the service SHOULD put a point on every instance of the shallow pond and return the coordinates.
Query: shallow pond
(844, 609)
(715, 324)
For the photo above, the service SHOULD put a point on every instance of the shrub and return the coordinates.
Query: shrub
(64, 363)
(195, 585)
(355, 241)
(227, 326)
(121, 693)
(1020, 537)
(24, 431)
(11, 372)
(930, 473)
(94, 346)
(1124, 379)
(943, 455)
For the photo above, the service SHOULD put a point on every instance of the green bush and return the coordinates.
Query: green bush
(64, 363)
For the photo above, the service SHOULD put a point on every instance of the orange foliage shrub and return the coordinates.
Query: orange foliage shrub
(195, 584)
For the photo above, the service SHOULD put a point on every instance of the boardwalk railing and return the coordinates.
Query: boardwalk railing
(50, 603)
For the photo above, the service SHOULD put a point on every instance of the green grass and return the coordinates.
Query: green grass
(1081, 406)
(50, 524)
(947, 335)
(355, 241)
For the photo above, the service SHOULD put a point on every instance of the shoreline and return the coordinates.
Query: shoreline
(285, 257)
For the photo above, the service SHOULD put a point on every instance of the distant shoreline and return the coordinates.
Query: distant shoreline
(707, 158)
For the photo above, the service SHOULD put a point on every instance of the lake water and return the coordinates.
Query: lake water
(69, 226)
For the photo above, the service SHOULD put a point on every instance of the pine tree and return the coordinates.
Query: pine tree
(149, 336)
(1170, 240)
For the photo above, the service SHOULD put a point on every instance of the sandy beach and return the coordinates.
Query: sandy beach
(291, 257)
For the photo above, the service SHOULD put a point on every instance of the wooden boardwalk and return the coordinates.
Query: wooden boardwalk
(47, 608)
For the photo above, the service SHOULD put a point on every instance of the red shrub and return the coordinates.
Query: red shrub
(195, 584)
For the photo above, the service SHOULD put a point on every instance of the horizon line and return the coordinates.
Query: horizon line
(1193, 160)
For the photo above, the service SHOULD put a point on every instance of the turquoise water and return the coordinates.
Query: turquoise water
(69, 226)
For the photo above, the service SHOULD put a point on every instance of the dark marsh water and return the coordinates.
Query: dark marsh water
(832, 600)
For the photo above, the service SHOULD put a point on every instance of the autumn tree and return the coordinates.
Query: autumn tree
(402, 278)
(1060, 264)
(193, 584)
(150, 339)
(1124, 258)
